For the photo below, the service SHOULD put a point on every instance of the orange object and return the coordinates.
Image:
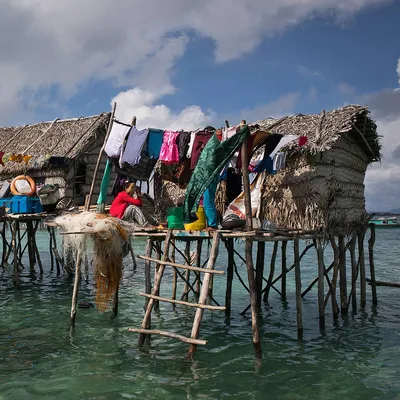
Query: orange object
(30, 181)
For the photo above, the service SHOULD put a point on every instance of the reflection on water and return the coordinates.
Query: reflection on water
(357, 357)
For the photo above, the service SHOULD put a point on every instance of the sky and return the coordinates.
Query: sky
(182, 64)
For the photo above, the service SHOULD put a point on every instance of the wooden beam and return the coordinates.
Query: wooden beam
(183, 303)
(187, 267)
(41, 136)
(365, 140)
(168, 334)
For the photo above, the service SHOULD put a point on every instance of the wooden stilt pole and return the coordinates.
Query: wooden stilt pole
(342, 273)
(187, 272)
(284, 259)
(321, 281)
(15, 252)
(336, 263)
(260, 270)
(198, 265)
(157, 268)
(297, 274)
(271, 272)
(51, 250)
(361, 257)
(4, 241)
(157, 283)
(55, 252)
(147, 270)
(371, 243)
(354, 272)
(36, 250)
(174, 273)
(229, 276)
(132, 253)
(203, 295)
(76, 286)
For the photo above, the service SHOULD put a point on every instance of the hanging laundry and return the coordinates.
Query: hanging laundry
(279, 161)
(228, 132)
(302, 140)
(191, 143)
(116, 139)
(183, 144)
(105, 183)
(233, 185)
(219, 134)
(1, 158)
(169, 153)
(283, 142)
(249, 147)
(155, 142)
(184, 173)
(209, 203)
(133, 148)
(200, 141)
(212, 160)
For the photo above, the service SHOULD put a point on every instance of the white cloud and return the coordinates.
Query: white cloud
(308, 72)
(346, 90)
(141, 103)
(398, 69)
(58, 46)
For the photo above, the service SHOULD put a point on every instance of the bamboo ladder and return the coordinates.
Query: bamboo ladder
(193, 340)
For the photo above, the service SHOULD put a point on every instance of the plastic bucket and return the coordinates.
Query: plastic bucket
(175, 218)
(200, 224)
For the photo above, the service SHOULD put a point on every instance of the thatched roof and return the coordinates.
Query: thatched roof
(66, 138)
(323, 130)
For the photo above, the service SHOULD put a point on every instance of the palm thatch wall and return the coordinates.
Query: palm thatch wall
(323, 182)
(72, 141)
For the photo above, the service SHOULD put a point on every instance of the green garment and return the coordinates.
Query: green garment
(212, 160)
(104, 183)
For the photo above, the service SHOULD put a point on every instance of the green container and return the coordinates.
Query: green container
(175, 218)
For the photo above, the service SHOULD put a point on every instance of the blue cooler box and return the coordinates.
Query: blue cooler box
(25, 205)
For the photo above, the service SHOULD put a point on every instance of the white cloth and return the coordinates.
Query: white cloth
(116, 139)
(190, 148)
(228, 133)
(279, 161)
(134, 146)
(283, 142)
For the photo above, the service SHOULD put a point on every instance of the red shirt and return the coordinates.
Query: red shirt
(122, 201)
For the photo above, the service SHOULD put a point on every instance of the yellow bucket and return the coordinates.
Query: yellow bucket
(200, 224)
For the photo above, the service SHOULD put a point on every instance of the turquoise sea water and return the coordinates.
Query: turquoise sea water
(356, 358)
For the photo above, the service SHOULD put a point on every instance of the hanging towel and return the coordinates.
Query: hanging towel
(102, 199)
(228, 133)
(279, 161)
(212, 160)
(155, 142)
(283, 142)
(133, 147)
(200, 141)
(116, 139)
(169, 153)
(191, 143)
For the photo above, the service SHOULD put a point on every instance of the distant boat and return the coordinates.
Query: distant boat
(390, 222)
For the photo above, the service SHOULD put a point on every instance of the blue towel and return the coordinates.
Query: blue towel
(155, 142)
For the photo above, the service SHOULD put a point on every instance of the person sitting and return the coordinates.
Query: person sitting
(127, 206)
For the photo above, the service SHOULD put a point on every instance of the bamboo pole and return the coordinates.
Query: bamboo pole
(115, 303)
(381, 283)
(371, 243)
(342, 273)
(15, 253)
(157, 283)
(184, 339)
(76, 286)
(361, 257)
(51, 250)
(198, 265)
(132, 253)
(96, 169)
(174, 272)
(271, 272)
(297, 274)
(321, 279)
(36, 250)
(4, 242)
(229, 276)
(260, 270)
(203, 294)
(284, 259)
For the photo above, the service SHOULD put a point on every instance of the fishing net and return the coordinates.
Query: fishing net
(110, 239)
